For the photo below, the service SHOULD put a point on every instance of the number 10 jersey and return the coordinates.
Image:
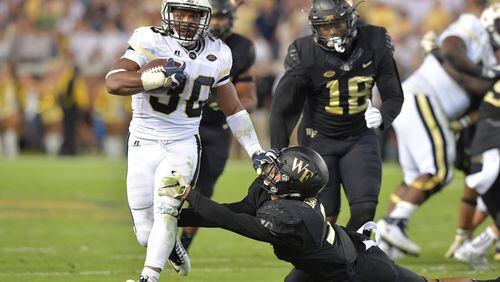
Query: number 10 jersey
(176, 115)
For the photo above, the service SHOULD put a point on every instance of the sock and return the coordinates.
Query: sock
(10, 143)
(403, 210)
(186, 239)
(163, 234)
(152, 275)
(483, 241)
(52, 142)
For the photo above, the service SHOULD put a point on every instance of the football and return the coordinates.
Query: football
(156, 63)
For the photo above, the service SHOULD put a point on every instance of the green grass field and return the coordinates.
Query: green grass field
(68, 220)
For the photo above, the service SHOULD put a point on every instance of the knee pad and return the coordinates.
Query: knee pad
(360, 214)
(483, 180)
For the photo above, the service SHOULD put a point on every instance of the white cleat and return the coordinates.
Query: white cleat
(468, 254)
(395, 235)
(179, 259)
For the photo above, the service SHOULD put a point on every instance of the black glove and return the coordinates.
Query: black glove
(174, 74)
(262, 158)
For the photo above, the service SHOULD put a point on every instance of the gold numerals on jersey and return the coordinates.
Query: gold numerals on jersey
(493, 97)
(351, 99)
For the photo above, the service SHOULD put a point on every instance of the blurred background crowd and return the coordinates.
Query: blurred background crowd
(54, 55)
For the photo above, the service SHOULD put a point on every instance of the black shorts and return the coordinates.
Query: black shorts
(355, 163)
(215, 144)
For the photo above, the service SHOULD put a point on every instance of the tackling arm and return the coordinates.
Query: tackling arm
(454, 51)
(240, 223)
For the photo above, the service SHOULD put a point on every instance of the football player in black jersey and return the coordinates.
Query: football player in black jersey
(281, 208)
(214, 132)
(485, 176)
(329, 79)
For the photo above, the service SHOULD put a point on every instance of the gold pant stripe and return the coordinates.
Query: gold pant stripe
(395, 198)
(438, 142)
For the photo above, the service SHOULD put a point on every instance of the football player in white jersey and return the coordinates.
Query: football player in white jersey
(167, 105)
(433, 97)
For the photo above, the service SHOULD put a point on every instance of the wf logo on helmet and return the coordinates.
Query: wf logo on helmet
(300, 167)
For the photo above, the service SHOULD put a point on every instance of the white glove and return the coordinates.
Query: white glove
(372, 116)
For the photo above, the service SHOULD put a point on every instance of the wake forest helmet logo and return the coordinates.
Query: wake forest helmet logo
(301, 168)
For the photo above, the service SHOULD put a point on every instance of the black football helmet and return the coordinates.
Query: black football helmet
(335, 13)
(299, 172)
(222, 9)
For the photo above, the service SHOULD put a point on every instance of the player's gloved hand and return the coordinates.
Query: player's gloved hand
(262, 158)
(167, 76)
(175, 186)
(373, 117)
(174, 75)
(489, 72)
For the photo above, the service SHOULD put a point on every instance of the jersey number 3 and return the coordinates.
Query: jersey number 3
(348, 96)
(193, 106)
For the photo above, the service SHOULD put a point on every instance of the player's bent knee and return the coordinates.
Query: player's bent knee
(142, 237)
(429, 184)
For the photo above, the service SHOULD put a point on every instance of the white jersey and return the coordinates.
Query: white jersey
(162, 116)
(432, 80)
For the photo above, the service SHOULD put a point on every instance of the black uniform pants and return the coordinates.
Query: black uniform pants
(354, 162)
(215, 144)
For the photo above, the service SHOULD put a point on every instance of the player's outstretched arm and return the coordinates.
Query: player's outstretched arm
(246, 89)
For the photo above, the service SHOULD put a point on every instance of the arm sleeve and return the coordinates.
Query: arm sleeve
(389, 85)
(240, 223)
(288, 100)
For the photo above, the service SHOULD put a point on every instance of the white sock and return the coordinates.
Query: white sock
(113, 146)
(10, 143)
(52, 143)
(161, 239)
(484, 240)
(403, 210)
(152, 275)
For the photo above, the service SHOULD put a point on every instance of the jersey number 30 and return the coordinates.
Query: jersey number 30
(348, 96)
(193, 106)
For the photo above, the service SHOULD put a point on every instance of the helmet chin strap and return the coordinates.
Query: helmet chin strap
(337, 44)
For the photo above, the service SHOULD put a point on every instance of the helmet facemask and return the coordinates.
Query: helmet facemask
(223, 14)
(345, 32)
(186, 32)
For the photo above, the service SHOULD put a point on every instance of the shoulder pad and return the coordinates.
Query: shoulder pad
(278, 217)
(377, 37)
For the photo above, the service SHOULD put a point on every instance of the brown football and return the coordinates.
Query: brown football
(155, 63)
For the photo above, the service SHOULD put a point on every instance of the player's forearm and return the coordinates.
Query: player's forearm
(124, 83)
(189, 217)
(472, 84)
(223, 217)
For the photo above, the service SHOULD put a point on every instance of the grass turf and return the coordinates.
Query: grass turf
(67, 219)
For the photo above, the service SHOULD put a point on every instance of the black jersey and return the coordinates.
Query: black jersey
(296, 229)
(333, 90)
(488, 127)
(243, 59)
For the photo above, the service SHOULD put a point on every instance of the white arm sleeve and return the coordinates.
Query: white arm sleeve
(243, 130)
